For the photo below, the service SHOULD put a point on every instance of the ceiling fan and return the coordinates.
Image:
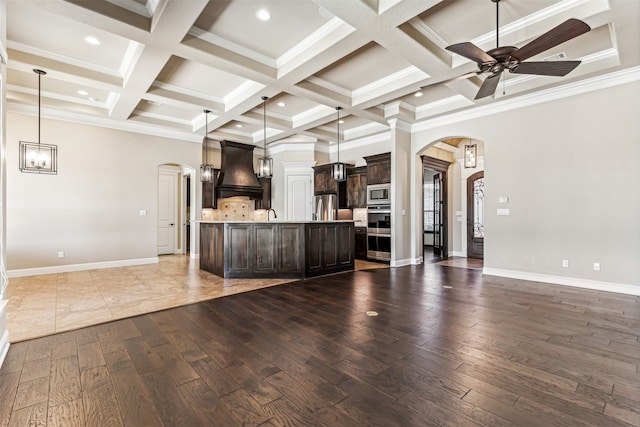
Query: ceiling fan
(495, 61)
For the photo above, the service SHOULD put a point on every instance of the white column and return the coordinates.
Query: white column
(4, 332)
(401, 160)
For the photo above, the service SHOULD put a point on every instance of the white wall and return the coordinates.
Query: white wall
(570, 168)
(354, 152)
(90, 209)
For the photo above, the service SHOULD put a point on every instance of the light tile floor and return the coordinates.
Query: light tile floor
(471, 263)
(43, 305)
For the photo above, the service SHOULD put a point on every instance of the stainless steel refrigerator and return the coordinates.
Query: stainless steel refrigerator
(324, 207)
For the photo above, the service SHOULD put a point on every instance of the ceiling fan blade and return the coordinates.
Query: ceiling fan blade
(453, 79)
(471, 51)
(489, 86)
(566, 31)
(546, 68)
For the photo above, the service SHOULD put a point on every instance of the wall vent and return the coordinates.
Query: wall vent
(557, 57)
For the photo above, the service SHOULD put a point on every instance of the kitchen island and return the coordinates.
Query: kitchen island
(276, 249)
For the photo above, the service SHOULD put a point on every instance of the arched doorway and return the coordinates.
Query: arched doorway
(451, 242)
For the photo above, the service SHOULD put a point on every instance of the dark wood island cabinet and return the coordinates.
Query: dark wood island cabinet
(276, 249)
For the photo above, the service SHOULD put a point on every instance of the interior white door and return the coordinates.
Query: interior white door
(167, 207)
(299, 197)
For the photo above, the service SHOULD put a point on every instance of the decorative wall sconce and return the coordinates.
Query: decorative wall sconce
(36, 157)
(470, 155)
(206, 170)
(339, 170)
(265, 163)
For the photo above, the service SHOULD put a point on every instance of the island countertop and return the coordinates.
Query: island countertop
(276, 249)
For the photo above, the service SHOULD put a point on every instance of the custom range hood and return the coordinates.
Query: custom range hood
(237, 177)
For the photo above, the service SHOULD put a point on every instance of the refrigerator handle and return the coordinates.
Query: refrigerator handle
(319, 210)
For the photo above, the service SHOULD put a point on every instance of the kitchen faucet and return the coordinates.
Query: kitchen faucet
(274, 213)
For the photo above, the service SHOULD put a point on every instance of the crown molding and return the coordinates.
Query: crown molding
(142, 128)
(628, 75)
(571, 89)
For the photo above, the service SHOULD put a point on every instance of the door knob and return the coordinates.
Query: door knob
(171, 224)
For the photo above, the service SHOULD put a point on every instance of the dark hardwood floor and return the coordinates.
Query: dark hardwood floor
(448, 347)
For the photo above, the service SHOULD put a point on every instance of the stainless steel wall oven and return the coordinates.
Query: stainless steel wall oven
(379, 232)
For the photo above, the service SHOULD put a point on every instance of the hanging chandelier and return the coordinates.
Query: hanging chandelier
(470, 155)
(265, 163)
(37, 157)
(206, 170)
(339, 170)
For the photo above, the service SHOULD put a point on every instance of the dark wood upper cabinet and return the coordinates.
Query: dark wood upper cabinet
(357, 187)
(323, 183)
(378, 169)
(209, 200)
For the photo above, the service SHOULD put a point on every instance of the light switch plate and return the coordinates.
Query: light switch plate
(503, 212)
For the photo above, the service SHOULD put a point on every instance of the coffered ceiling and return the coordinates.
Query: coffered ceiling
(159, 63)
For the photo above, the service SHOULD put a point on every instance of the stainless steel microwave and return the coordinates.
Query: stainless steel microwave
(379, 194)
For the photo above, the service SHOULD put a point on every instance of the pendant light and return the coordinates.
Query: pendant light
(37, 157)
(470, 156)
(339, 170)
(206, 170)
(265, 163)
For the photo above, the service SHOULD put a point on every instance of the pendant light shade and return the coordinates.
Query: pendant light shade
(265, 163)
(339, 170)
(36, 157)
(206, 170)
(470, 155)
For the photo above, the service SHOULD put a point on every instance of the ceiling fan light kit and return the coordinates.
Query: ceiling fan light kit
(495, 61)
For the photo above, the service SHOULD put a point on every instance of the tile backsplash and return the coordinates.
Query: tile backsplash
(235, 209)
(243, 209)
(360, 217)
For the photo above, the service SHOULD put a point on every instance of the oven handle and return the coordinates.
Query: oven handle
(375, 211)
(378, 235)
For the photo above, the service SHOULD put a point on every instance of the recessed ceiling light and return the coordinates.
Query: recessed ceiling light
(417, 94)
(82, 92)
(372, 313)
(92, 40)
(263, 15)
(341, 121)
(281, 104)
(238, 125)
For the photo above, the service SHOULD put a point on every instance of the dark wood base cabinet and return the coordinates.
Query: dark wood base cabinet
(361, 242)
(276, 249)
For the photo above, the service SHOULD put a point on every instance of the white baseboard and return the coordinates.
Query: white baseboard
(457, 253)
(4, 338)
(400, 262)
(416, 261)
(620, 288)
(79, 267)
